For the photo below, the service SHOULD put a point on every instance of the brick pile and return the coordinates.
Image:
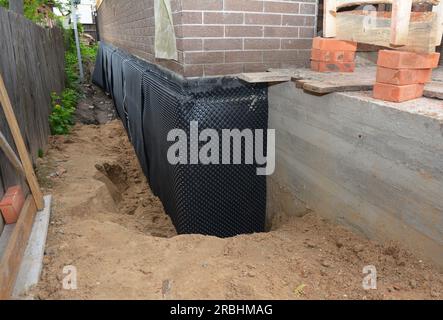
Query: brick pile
(401, 75)
(331, 55)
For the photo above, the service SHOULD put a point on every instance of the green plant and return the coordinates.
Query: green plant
(40, 153)
(32, 12)
(63, 105)
(89, 53)
(63, 108)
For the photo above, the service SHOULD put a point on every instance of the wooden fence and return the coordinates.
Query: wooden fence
(32, 66)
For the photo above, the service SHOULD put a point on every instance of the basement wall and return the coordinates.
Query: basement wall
(375, 167)
(216, 37)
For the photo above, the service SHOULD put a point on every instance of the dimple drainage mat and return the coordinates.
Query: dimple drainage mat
(215, 199)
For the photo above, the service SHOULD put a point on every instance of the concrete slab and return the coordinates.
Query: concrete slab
(31, 267)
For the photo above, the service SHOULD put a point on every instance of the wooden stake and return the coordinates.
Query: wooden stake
(21, 147)
(330, 19)
(12, 257)
(439, 11)
(401, 17)
(10, 154)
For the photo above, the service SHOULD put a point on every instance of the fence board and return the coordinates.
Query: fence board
(32, 65)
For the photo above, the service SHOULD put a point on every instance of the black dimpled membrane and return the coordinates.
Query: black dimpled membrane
(216, 200)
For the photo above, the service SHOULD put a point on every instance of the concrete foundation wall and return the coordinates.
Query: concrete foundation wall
(375, 167)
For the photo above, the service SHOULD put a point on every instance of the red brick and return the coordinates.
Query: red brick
(333, 44)
(267, 44)
(202, 31)
(403, 77)
(298, 21)
(12, 204)
(333, 56)
(193, 70)
(204, 57)
(307, 8)
(263, 19)
(281, 32)
(306, 32)
(296, 44)
(244, 56)
(393, 93)
(223, 18)
(223, 44)
(223, 69)
(320, 66)
(190, 44)
(202, 5)
(282, 7)
(407, 60)
(190, 17)
(243, 5)
(243, 31)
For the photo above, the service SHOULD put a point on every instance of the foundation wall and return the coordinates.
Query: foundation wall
(375, 167)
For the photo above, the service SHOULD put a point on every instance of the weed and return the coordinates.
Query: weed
(63, 108)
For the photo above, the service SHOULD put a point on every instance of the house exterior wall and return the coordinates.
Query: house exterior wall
(217, 37)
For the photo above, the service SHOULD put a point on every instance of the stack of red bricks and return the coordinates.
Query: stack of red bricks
(331, 55)
(401, 75)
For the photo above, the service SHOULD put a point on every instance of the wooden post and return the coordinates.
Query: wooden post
(21, 147)
(329, 19)
(17, 6)
(438, 9)
(401, 17)
(10, 154)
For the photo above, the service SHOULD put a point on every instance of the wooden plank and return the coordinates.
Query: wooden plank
(264, 77)
(401, 17)
(422, 30)
(319, 87)
(21, 147)
(434, 90)
(329, 19)
(13, 255)
(10, 154)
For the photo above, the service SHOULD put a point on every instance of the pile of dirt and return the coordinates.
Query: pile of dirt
(94, 107)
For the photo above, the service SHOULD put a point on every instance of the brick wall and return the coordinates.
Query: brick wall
(217, 37)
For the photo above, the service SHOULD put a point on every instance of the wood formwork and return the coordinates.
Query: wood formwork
(399, 29)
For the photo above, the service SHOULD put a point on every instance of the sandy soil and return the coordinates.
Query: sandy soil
(107, 223)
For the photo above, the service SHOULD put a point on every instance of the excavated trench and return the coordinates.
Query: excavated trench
(108, 224)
